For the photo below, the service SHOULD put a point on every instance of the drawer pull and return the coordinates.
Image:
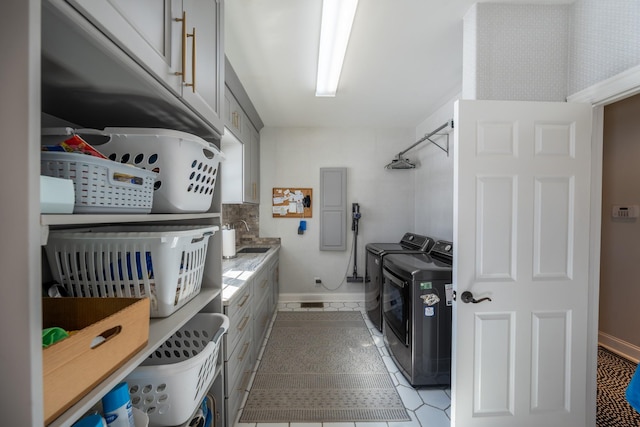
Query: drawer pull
(244, 351)
(245, 320)
(244, 300)
(244, 384)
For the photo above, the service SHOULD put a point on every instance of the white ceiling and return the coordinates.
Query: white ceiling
(404, 60)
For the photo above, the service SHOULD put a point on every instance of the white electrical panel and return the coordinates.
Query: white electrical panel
(625, 211)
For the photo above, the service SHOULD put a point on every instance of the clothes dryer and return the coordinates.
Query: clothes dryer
(417, 311)
(410, 243)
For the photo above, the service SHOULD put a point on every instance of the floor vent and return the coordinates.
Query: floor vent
(311, 305)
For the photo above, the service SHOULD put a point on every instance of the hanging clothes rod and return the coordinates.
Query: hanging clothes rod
(401, 163)
(428, 137)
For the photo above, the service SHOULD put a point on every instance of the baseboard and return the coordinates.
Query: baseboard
(343, 297)
(620, 347)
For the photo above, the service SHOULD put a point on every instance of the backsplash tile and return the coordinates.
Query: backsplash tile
(235, 214)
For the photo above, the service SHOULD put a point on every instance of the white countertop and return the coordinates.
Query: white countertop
(237, 271)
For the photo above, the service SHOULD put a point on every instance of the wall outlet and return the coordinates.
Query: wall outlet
(317, 281)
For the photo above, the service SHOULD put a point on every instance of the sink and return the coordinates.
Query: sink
(253, 250)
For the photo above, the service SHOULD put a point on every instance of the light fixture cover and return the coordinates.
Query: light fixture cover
(337, 20)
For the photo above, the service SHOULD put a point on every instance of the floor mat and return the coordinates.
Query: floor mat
(614, 374)
(322, 367)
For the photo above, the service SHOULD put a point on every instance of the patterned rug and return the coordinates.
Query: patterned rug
(322, 367)
(614, 374)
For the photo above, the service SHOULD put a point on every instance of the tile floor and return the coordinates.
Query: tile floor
(427, 407)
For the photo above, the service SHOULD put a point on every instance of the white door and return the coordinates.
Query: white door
(521, 238)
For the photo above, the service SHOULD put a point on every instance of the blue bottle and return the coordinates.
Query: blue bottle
(117, 407)
(94, 420)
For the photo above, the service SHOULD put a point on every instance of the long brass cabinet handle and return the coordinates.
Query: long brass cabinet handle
(184, 44)
(193, 62)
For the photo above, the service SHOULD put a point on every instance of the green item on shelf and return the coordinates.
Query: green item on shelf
(53, 335)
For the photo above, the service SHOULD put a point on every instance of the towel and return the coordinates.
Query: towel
(633, 391)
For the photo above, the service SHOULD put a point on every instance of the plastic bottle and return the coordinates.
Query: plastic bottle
(117, 407)
(94, 420)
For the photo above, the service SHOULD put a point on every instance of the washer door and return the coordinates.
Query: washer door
(396, 305)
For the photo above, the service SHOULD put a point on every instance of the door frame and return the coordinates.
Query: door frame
(607, 92)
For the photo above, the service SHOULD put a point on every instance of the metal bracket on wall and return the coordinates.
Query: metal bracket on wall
(445, 149)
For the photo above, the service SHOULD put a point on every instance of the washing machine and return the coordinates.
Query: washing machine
(409, 243)
(417, 300)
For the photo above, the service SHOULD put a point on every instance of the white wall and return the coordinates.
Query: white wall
(516, 52)
(292, 157)
(434, 177)
(605, 41)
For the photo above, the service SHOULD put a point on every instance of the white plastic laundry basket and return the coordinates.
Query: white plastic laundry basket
(164, 263)
(101, 185)
(172, 382)
(187, 166)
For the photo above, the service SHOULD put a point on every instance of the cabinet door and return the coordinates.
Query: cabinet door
(252, 165)
(234, 118)
(204, 68)
(275, 284)
(232, 171)
(146, 29)
(255, 164)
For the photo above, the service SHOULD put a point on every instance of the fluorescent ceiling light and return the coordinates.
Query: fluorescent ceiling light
(337, 19)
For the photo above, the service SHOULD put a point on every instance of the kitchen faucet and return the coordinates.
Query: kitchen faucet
(245, 223)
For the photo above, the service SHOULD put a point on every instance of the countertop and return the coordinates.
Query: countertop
(237, 271)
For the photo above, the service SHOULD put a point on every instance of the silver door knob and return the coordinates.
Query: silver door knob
(467, 297)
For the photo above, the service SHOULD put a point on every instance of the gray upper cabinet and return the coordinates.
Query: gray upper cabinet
(204, 87)
(251, 165)
(179, 42)
(147, 30)
(240, 172)
(234, 117)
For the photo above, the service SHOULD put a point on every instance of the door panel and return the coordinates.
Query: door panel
(550, 347)
(494, 364)
(553, 227)
(521, 238)
(496, 218)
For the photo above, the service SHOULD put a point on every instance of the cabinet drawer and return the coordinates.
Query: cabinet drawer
(262, 317)
(235, 333)
(238, 386)
(239, 313)
(261, 284)
(234, 399)
(242, 356)
(238, 303)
